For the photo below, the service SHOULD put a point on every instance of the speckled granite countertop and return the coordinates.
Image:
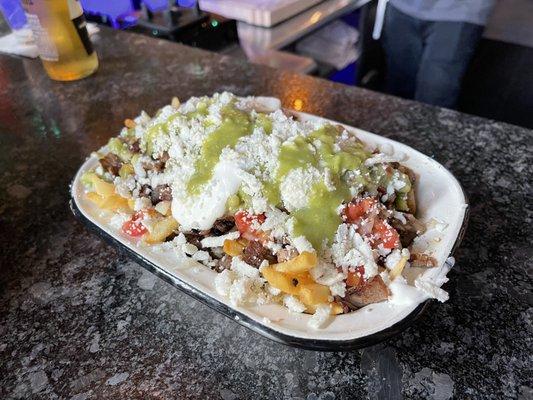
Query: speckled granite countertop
(79, 321)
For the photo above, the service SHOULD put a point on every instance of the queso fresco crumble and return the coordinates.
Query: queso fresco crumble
(299, 213)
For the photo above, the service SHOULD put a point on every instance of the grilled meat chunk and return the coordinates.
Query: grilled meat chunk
(255, 253)
(373, 291)
(422, 260)
(111, 163)
(223, 225)
(409, 230)
(161, 193)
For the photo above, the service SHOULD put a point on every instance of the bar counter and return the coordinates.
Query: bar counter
(80, 321)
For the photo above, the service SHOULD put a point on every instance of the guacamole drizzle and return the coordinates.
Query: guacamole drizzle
(235, 124)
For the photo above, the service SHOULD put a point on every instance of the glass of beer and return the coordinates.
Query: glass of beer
(60, 32)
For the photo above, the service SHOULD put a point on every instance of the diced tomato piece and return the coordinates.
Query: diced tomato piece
(245, 223)
(358, 209)
(355, 278)
(386, 235)
(134, 226)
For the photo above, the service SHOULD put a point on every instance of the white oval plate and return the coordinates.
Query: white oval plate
(439, 197)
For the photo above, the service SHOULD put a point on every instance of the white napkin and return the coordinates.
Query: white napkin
(21, 43)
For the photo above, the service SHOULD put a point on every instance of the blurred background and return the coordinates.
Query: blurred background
(487, 44)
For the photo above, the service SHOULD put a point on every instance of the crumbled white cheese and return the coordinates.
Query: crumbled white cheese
(243, 269)
(180, 239)
(259, 104)
(218, 241)
(350, 249)
(382, 251)
(293, 304)
(124, 186)
(338, 289)
(273, 246)
(138, 168)
(142, 203)
(275, 222)
(302, 244)
(395, 256)
(326, 273)
(320, 316)
(272, 290)
(201, 255)
(223, 282)
(432, 290)
(380, 158)
(189, 248)
(240, 291)
(296, 187)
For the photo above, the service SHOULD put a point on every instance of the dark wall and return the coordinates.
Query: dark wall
(499, 83)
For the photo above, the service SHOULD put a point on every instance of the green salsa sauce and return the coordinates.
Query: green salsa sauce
(235, 124)
(319, 221)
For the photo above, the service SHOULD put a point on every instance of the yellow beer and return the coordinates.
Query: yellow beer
(60, 32)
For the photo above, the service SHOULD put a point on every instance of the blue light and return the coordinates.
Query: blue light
(187, 3)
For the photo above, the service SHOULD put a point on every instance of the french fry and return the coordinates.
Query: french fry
(301, 263)
(95, 198)
(398, 268)
(313, 294)
(125, 170)
(303, 278)
(233, 248)
(102, 187)
(161, 230)
(109, 203)
(280, 280)
(115, 203)
(129, 123)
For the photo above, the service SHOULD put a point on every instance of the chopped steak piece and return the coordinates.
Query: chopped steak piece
(223, 263)
(135, 147)
(145, 191)
(287, 253)
(161, 193)
(194, 238)
(111, 163)
(255, 253)
(373, 291)
(154, 165)
(409, 230)
(346, 305)
(223, 225)
(164, 157)
(409, 172)
(422, 260)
